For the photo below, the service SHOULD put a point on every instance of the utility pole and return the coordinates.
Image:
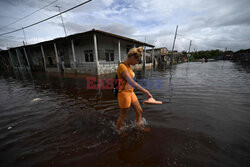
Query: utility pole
(174, 38)
(174, 44)
(224, 54)
(59, 8)
(188, 55)
(24, 36)
(189, 46)
(144, 55)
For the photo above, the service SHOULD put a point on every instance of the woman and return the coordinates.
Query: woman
(126, 96)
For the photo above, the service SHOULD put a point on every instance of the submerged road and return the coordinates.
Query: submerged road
(53, 120)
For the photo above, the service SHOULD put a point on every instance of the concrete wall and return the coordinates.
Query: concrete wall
(109, 43)
(106, 43)
(22, 58)
(35, 58)
(125, 47)
(13, 57)
(81, 45)
(65, 54)
(49, 51)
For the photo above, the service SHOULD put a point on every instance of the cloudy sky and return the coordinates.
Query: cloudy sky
(210, 24)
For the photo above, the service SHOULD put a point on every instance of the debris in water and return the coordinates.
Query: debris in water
(36, 99)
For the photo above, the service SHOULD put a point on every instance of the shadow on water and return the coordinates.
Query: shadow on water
(53, 120)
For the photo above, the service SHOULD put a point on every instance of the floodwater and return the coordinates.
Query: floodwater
(53, 120)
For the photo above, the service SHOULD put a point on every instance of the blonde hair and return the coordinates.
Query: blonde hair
(137, 52)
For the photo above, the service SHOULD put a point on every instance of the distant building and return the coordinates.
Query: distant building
(94, 52)
(160, 55)
(227, 55)
(177, 57)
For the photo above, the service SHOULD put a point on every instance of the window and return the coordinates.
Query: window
(112, 56)
(109, 54)
(89, 56)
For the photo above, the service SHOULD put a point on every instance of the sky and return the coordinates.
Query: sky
(210, 24)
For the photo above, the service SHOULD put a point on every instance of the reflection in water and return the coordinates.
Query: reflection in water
(54, 120)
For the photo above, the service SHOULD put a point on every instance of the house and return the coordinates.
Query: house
(160, 55)
(178, 57)
(93, 52)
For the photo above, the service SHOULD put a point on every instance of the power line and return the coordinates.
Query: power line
(45, 19)
(27, 15)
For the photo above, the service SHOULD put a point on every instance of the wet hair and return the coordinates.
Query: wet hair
(136, 52)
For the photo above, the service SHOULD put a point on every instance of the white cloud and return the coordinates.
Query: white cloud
(213, 24)
(107, 2)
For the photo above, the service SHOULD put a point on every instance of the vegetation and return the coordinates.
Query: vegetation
(210, 54)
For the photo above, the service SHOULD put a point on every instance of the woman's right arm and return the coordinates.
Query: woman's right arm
(137, 86)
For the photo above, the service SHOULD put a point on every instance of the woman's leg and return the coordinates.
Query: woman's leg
(138, 111)
(120, 120)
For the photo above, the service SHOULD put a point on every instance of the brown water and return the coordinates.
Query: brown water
(204, 120)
